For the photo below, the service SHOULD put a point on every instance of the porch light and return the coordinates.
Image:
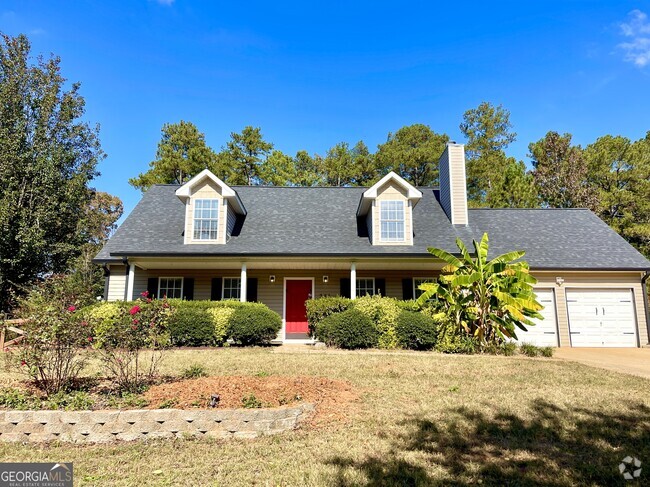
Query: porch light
(271, 279)
(559, 281)
(326, 279)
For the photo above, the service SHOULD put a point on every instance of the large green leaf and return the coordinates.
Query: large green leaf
(445, 256)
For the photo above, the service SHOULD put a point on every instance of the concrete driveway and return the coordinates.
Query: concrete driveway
(635, 361)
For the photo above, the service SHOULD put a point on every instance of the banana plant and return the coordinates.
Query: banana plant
(489, 299)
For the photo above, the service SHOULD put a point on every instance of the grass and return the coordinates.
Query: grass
(424, 419)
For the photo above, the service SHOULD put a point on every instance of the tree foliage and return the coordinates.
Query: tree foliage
(48, 157)
(489, 132)
(561, 173)
(489, 299)
(515, 189)
(182, 153)
(413, 152)
(245, 153)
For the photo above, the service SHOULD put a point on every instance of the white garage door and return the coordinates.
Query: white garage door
(601, 317)
(544, 333)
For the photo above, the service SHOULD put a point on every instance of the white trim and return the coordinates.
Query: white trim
(283, 331)
(353, 281)
(185, 191)
(381, 239)
(412, 193)
(223, 286)
(374, 285)
(171, 277)
(205, 240)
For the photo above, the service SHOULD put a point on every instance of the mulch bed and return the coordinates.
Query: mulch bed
(333, 398)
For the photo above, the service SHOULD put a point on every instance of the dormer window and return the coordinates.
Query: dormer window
(206, 219)
(392, 221)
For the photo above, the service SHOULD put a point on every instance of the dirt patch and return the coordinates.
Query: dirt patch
(333, 398)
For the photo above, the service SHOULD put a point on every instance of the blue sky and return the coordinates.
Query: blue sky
(312, 74)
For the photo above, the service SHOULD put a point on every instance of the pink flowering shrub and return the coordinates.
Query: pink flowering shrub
(132, 340)
(55, 348)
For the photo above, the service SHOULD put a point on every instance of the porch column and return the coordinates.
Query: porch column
(129, 282)
(242, 294)
(353, 280)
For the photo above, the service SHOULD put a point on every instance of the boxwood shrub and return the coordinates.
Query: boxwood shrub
(320, 308)
(255, 324)
(416, 331)
(349, 329)
(191, 326)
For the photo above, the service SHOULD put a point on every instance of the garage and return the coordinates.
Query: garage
(544, 333)
(601, 317)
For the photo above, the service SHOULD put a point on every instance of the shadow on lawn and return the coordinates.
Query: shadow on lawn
(552, 446)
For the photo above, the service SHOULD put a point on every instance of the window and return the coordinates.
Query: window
(206, 219)
(231, 288)
(416, 284)
(392, 221)
(366, 286)
(171, 287)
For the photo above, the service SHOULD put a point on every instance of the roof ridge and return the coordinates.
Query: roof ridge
(528, 209)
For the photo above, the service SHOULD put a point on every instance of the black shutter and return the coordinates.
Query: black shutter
(345, 287)
(380, 287)
(188, 288)
(251, 289)
(407, 288)
(152, 287)
(215, 292)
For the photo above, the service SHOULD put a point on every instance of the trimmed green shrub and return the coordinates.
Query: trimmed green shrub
(320, 308)
(191, 326)
(408, 305)
(416, 331)
(350, 329)
(383, 312)
(254, 324)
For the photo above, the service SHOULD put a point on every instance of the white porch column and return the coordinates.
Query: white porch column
(129, 282)
(242, 294)
(353, 281)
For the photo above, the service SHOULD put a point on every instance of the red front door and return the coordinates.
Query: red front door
(298, 291)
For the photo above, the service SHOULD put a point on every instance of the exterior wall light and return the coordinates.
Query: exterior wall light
(271, 279)
(326, 279)
(559, 281)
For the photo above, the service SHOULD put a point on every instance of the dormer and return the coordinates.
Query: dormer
(387, 208)
(211, 209)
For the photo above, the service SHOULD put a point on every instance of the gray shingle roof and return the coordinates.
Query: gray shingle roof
(322, 221)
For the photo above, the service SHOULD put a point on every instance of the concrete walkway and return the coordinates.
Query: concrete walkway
(635, 361)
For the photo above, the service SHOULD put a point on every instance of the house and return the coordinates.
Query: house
(281, 246)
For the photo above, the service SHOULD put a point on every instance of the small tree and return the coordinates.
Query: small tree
(122, 339)
(488, 299)
(52, 352)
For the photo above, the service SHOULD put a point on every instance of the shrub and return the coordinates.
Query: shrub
(320, 308)
(191, 326)
(453, 339)
(194, 372)
(531, 350)
(19, 399)
(144, 325)
(254, 324)
(221, 317)
(547, 352)
(350, 329)
(504, 348)
(56, 334)
(383, 312)
(416, 331)
(408, 305)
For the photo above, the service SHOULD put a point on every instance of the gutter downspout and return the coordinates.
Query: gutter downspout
(645, 301)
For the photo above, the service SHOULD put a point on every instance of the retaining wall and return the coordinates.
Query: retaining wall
(129, 425)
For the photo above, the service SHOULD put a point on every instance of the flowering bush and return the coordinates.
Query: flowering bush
(53, 351)
(122, 338)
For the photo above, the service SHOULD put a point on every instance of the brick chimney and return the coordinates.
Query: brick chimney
(453, 185)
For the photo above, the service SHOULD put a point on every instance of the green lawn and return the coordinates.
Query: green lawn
(423, 419)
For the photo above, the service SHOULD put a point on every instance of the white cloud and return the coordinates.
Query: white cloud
(637, 33)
